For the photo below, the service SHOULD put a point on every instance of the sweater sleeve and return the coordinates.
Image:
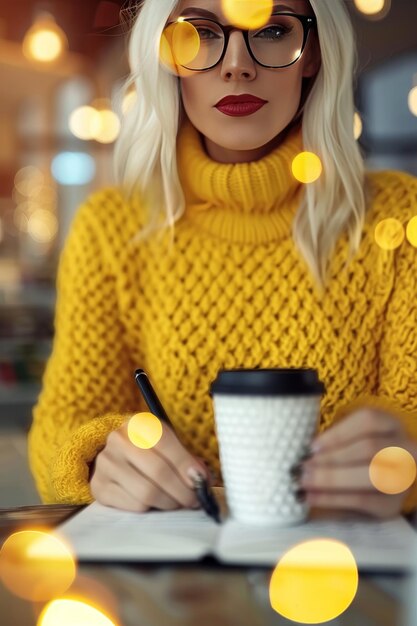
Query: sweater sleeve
(88, 388)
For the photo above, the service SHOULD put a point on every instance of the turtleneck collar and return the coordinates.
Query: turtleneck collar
(253, 201)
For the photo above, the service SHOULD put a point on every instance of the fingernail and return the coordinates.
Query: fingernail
(300, 495)
(296, 471)
(307, 455)
(195, 476)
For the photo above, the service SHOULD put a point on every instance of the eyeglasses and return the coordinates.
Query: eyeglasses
(279, 43)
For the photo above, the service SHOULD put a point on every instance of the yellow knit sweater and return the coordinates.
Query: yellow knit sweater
(233, 292)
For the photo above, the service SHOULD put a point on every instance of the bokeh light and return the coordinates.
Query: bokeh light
(36, 566)
(411, 231)
(29, 180)
(84, 122)
(73, 168)
(42, 226)
(246, 13)
(144, 430)
(315, 581)
(412, 100)
(45, 41)
(357, 126)
(392, 470)
(129, 101)
(373, 8)
(109, 127)
(180, 44)
(69, 612)
(389, 234)
(306, 167)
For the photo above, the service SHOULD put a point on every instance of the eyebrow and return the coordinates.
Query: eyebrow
(205, 13)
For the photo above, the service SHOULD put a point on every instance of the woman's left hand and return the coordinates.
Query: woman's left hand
(337, 475)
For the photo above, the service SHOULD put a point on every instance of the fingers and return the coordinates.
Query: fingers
(366, 422)
(333, 478)
(148, 478)
(137, 491)
(372, 503)
(354, 452)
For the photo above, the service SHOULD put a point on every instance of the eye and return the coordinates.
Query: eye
(273, 32)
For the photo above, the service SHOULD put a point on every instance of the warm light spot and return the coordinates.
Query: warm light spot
(129, 101)
(42, 226)
(315, 581)
(109, 126)
(392, 470)
(357, 126)
(246, 13)
(306, 167)
(179, 46)
(29, 180)
(85, 122)
(412, 100)
(144, 430)
(370, 7)
(389, 234)
(68, 612)
(411, 231)
(36, 565)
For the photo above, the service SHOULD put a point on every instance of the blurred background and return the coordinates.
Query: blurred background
(62, 63)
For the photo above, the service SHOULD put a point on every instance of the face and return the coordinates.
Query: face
(231, 139)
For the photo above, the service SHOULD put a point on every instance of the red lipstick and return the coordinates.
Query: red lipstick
(244, 104)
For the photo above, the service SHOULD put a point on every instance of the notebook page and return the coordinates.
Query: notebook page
(101, 533)
(377, 545)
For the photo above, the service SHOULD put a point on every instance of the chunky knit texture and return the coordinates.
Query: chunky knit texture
(232, 292)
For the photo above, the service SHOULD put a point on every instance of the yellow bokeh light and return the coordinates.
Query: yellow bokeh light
(411, 231)
(392, 470)
(45, 45)
(315, 581)
(357, 126)
(370, 7)
(144, 430)
(69, 612)
(247, 13)
(42, 226)
(129, 101)
(109, 126)
(307, 167)
(389, 234)
(29, 180)
(180, 44)
(85, 122)
(412, 100)
(36, 565)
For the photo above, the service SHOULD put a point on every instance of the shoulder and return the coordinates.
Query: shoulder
(111, 214)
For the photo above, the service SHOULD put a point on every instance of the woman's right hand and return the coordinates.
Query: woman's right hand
(131, 478)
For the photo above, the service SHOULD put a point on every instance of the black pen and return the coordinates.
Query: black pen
(203, 492)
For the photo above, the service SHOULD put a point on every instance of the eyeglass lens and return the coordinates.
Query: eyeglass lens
(277, 43)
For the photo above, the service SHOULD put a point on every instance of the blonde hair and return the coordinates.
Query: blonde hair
(145, 152)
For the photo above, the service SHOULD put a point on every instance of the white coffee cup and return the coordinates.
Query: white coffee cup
(265, 420)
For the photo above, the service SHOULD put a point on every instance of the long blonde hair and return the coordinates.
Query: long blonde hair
(145, 152)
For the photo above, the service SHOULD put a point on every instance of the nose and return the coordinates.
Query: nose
(237, 62)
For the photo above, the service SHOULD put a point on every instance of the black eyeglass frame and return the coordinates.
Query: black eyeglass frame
(308, 22)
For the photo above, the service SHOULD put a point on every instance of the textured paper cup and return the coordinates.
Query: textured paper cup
(264, 420)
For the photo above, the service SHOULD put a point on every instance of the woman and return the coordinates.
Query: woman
(261, 269)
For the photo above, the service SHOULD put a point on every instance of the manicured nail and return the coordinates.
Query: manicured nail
(296, 471)
(300, 495)
(307, 455)
(195, 476)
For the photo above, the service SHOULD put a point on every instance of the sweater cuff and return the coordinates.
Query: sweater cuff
(408, 420)
(71, 467)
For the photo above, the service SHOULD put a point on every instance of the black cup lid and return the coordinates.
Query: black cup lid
(279, 382)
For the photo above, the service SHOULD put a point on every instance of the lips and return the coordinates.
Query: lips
(245, 98)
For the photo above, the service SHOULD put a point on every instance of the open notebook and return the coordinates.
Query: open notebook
(100, 533)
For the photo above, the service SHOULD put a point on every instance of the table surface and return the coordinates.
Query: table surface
(203, 594)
